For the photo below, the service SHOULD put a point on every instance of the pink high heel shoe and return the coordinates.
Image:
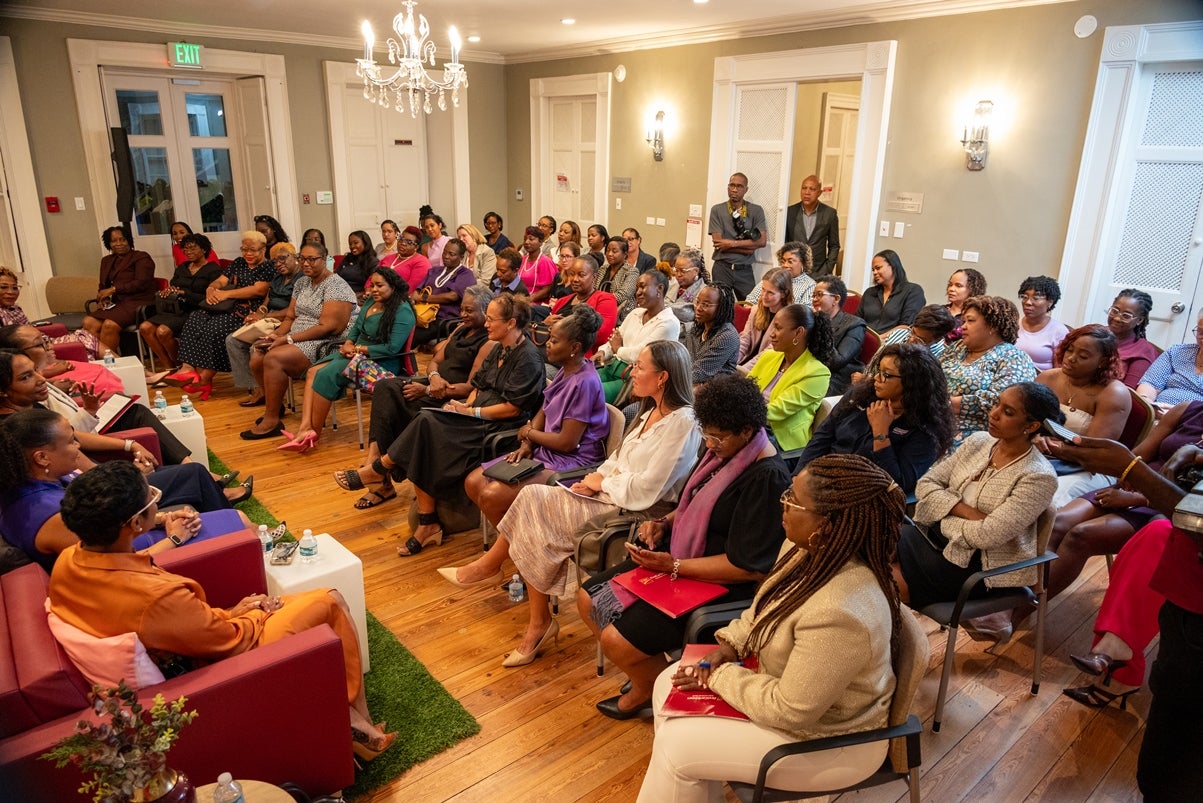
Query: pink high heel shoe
(301, 444)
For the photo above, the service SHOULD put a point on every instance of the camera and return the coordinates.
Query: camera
(741, 231)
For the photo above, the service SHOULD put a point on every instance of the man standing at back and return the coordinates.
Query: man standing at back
(816, 224)
(737, 228)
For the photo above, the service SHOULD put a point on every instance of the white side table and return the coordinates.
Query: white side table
(337, 567)
(190, 431)
(132, 374)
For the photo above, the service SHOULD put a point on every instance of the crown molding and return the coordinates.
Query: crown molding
(877, 12)
(870, 13)
(198, 30)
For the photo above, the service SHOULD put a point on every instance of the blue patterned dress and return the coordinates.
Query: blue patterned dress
(981, 382)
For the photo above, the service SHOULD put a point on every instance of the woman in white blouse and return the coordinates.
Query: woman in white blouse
(644, 476)
(477, 255)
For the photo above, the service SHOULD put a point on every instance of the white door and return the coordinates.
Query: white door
(762, 147)
(837, 154)
(187, 159)
(383, 160)
(570, 186)
(1155, 240)
(256, 145)
(10, 254)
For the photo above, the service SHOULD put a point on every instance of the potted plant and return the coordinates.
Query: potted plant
(126, 753)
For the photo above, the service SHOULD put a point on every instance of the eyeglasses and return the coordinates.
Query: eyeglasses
(683, 271)
(312, 260)
(788, 500)
(1116, 312)
(405, 241)
(8, 288)
(713, 440)
(1032, 297)
(821, 293)
(886, 375)
(490, 319)
(1196, 330)
(42, 342)
(155, 496)
(250, 249)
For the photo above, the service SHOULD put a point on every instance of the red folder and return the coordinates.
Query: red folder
(673, 597)
(701, 702)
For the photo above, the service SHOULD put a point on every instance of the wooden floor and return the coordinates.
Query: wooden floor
(541, 737)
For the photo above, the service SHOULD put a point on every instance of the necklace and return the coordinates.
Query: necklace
(445, 276)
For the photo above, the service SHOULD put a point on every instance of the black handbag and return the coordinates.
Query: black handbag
(169, 305)
(219, 308)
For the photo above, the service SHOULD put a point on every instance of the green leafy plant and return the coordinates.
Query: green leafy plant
(127, 751)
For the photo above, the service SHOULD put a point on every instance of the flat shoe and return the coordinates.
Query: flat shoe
(448, 574)
(349, 480)
(610, 708)
(252, 435)
(248, 488)
(157, 378)
(254, 401)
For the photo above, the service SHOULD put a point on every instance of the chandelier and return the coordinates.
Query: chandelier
(410, 84)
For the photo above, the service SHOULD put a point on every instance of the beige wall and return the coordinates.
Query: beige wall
(1040, 76)
(1014, 211)
(43, 71)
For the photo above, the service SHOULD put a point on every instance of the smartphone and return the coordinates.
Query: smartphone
(1059, 431)
(283, 553)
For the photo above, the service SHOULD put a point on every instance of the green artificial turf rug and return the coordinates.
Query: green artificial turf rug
(400, 691)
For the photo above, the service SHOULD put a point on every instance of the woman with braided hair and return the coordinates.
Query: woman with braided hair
(825, 626)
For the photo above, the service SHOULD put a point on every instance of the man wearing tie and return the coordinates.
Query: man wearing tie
(815, 223)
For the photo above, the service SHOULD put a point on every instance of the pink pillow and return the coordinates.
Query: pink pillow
(106, 661)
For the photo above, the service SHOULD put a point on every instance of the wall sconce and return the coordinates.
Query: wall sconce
(975, 137)
(655, 137)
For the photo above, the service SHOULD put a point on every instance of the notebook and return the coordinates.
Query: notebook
(672, 597)
(701, 702)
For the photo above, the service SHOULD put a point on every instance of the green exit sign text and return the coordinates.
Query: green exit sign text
(183, 54)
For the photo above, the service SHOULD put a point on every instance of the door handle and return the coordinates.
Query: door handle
(1177, 307)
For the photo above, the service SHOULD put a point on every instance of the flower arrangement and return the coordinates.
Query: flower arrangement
(127, 753)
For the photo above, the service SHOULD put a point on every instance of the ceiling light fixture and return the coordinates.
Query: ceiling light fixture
(568, 21)
(412, 53)
(473, 38)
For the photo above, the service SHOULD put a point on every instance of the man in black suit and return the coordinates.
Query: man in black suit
(815, 223)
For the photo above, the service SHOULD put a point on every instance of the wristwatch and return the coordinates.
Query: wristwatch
(175, 539)
(290, 340)
(881, 438)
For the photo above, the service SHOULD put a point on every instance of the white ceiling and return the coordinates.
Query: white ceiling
(510, 31)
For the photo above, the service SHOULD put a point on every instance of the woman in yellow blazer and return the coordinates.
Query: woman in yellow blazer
(792, 375)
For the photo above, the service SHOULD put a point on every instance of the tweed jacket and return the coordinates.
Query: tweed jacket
(1012, 499)
(827, 669)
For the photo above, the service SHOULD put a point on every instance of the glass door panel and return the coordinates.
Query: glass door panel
(215, 187)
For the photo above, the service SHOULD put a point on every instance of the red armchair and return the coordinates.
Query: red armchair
(64, 351)
(277, 713)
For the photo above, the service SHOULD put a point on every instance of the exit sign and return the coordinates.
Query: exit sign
(183, 54)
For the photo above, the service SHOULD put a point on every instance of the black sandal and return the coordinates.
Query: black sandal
(348, 480)
(366, 501)
(413, 546)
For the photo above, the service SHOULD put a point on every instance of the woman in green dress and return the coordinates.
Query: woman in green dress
(378, 338)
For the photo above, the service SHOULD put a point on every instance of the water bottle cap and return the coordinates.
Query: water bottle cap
(225, 778)
(515, 579)
(307, 533)
(262, 528)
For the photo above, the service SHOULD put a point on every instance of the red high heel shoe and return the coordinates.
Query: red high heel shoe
(200, 391)
(301, 444)
(181, 378)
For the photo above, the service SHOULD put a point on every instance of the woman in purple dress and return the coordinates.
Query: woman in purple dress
(570, 430)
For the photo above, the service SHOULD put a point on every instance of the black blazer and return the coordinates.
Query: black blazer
(824, 240)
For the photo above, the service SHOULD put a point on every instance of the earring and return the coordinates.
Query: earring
(810, 542)
(47, 470)
(795, 340)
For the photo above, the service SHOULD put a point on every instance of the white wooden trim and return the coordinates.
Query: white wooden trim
(1126, 49)
(870, 62)
(87, 56)
(23, 189)
(542, 90)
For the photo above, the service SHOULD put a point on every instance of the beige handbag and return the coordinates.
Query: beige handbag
(250, 332)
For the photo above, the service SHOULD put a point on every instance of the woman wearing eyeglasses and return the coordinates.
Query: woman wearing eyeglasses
(1039, 332)
(40, 456)
(318, 316)
(1128, 319)
(688, 278)
(798, 260)
(847, 332)
(1177, 375)
(241, 287)
(826, 626)
(11, 313)
(725, 529)
(898, 416)
(408, 261)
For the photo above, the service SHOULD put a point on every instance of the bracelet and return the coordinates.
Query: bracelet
(676, 569)
(476, 411)
(432, 374)
(291, 342)
(1128, 470)
(129, 445)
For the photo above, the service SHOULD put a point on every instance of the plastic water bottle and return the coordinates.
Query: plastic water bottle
(186, 408)
(308, 547)
(265, 538)
(160, 403)
(228, 790)
(516, 589)
(109, 359)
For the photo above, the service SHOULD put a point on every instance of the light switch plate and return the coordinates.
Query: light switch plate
(951, 253)
(80, 206)
(899, 229)
(884, 231)
(969, 256)
(618, 203)
(659, 221)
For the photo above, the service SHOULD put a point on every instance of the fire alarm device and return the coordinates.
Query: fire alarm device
(52, 204)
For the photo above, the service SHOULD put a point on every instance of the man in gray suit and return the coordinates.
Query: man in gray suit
(816, 224)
